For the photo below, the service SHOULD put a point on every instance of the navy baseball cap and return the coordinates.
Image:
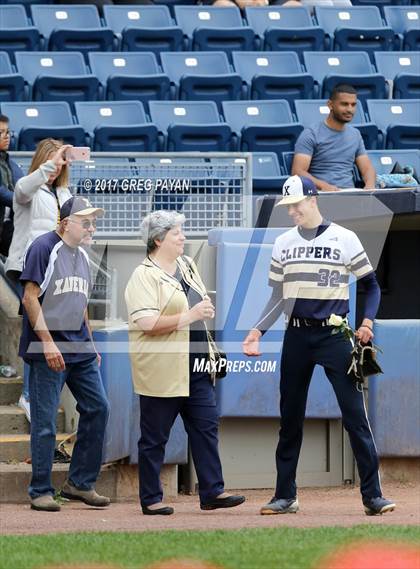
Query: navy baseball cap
(79, 206)
(296, 189)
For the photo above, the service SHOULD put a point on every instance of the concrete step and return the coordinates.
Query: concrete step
(10, 390)
(13, 420)
(18, 448)
(15, 478)
(118, 481)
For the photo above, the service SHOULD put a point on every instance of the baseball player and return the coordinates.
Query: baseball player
(309, 275)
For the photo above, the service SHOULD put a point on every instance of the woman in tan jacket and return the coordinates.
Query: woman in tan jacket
(167, 306)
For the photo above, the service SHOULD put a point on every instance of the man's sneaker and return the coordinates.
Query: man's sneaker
(45, 503)
(89, 497)
(24, 405)
(377, 506)
(280, 506)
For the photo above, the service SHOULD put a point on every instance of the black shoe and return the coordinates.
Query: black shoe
(164, 511)
(377, 506)
(228, 502)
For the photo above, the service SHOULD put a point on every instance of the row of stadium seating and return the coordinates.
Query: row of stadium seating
(151, 28)
(52, 76)
(269, 172)
(172, 3)
(198, 125)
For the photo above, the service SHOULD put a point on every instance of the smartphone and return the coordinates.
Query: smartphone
(78, 153)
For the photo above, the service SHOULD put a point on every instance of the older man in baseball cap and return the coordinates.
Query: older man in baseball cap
(57, 344)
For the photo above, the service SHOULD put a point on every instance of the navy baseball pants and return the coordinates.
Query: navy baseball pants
(303, 348)
(201, 420)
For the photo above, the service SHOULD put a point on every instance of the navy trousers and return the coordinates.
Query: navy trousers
(303, 348)
(201, 420)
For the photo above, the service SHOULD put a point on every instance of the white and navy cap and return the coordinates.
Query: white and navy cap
(79, 206)
(296, 189)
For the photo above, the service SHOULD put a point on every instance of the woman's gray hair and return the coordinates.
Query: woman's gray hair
(157, 224)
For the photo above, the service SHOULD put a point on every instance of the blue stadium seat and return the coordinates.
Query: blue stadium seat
(144, 28)
(399, 119)
(403, 68)
(71, 27)
(54, 76)
(288, 161)
(35, 121)
(262, 126)
(26, 3)
(202, 76)
(384, 160)
(381, 4)
(209, 28)
(130, 76)
(172, 3)
(5, 65)
(356, 28)
(191, 125)
(117, 126)
(12, 85)
(274, 75)
(311, 112)
(282, 29)
(16, 34)
(266, 173)
(330, 68)
(405, 21)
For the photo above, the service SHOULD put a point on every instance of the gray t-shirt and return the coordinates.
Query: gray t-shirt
(333, 152)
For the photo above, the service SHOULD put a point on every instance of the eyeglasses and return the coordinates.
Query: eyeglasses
(86, 223)
(5, 133)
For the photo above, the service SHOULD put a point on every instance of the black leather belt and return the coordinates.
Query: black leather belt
(307, 322)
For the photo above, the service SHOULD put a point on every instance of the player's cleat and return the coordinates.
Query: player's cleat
(378, 506)
(280, 506)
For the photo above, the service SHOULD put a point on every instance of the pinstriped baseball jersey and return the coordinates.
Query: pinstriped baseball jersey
(314, 272)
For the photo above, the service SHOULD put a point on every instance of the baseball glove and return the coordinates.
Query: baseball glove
(363, 363)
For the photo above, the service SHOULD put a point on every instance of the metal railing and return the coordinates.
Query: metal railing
(211, 189)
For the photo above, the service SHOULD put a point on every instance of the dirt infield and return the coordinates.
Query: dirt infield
(318, 507)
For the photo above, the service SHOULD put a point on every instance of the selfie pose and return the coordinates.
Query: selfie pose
(37, 200)
(36, 204)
